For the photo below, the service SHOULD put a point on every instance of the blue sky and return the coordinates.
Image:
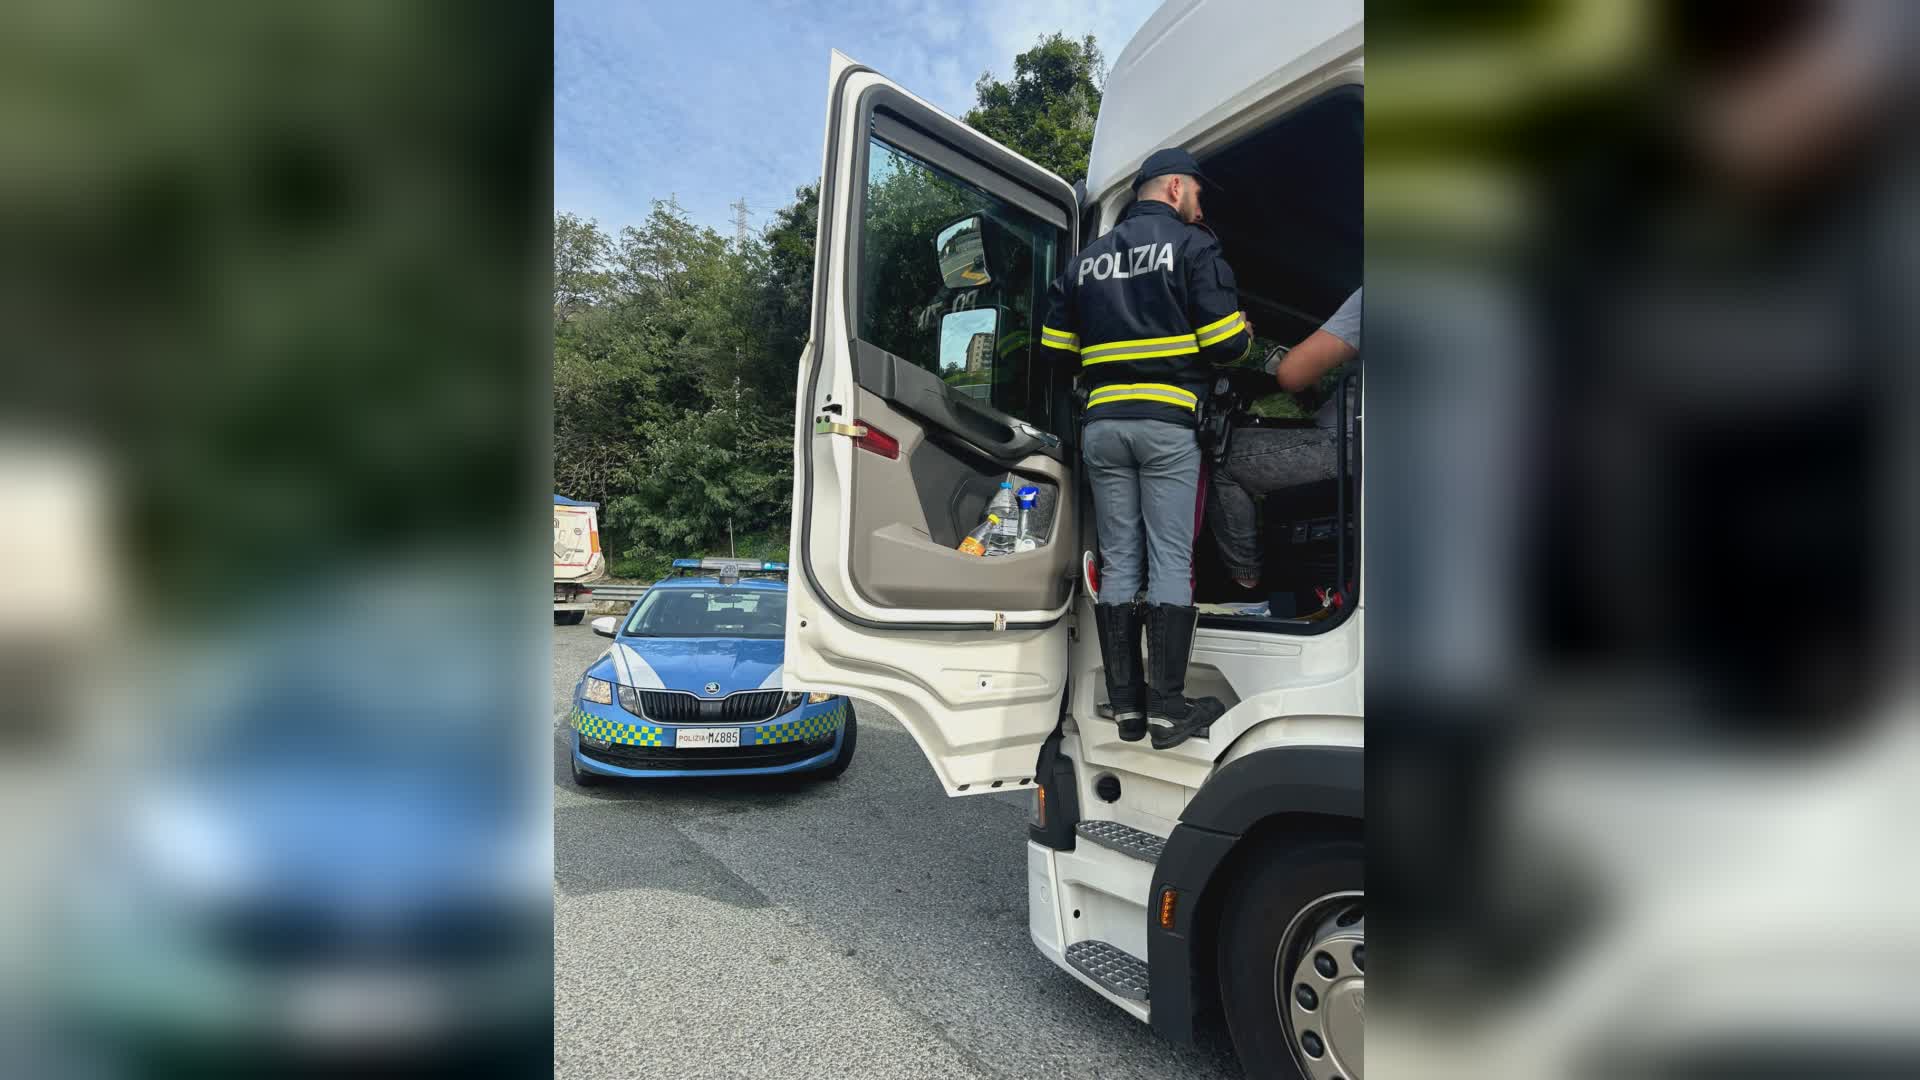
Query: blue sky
(710, 100)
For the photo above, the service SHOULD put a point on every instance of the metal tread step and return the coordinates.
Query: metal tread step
(1123, 838)
(1120, 972)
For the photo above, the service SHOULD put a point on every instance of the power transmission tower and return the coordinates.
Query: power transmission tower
(740, 220)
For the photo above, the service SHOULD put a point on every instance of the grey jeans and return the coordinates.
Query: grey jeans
(1146, 478)
(1259, 461)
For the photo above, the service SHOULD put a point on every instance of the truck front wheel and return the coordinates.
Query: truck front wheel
(568, 618)
(1292, 962)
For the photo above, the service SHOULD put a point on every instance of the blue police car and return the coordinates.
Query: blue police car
(691, 685)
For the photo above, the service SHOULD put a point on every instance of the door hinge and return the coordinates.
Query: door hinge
(824, 426)
(999, 620)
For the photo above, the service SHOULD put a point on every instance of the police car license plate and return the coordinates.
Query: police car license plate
(707, 736)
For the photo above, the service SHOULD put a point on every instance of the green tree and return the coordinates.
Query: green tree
(580, 256)
(673, 380)
(787, 250)
(1046, 111)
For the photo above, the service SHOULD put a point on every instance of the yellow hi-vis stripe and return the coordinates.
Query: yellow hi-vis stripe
(1220, 330)
(1161, 392)
(1059, 339)
(1139, 349)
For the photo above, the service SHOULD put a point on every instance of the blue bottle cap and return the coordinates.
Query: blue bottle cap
(1029, 496)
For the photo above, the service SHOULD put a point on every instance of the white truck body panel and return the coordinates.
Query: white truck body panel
(1198, 70)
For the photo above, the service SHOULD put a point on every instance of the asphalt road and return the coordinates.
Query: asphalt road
(867, 926)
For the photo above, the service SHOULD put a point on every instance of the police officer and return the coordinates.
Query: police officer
(1148, 309)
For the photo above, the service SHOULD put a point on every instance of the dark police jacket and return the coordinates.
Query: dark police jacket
(1149, 309)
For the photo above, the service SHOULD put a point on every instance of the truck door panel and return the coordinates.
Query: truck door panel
(922, 388)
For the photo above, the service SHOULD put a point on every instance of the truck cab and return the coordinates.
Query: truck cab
(1224, 875)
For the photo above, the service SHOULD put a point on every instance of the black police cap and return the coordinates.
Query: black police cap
(1169, 162)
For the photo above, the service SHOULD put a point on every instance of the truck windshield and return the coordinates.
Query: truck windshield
(719, 612)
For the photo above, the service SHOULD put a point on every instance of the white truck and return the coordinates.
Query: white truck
(1225, 873)
(577, 558)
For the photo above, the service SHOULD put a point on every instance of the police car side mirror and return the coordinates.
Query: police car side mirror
(604, 626)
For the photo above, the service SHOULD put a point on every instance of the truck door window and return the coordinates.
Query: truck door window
(921, 224)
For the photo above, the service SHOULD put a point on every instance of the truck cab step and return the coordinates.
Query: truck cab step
(1119, 971)
(1123, 838)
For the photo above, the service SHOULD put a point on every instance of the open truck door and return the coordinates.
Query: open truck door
(925, 386)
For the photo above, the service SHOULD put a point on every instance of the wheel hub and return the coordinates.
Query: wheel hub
(1320, 987)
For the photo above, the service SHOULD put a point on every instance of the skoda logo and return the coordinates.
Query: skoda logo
(713, 688)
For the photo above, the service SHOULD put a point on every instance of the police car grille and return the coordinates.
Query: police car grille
(673, 707)
(751, 707)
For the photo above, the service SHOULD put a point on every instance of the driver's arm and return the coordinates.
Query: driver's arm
(1336, 342)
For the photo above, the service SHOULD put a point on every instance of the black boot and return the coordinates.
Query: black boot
(1173, 716)
(1119, 629)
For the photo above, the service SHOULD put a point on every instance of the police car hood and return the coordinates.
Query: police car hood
(691, 663)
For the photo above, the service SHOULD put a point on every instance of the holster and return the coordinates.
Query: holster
(1216, 411)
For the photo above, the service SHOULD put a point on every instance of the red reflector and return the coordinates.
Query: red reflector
(878, 442)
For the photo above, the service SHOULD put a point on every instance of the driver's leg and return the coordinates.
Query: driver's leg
(1236, 527)
(1260, 462)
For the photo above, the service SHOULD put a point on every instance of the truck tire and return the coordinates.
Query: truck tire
(1292, 961)
(850, 737)
(568, 618)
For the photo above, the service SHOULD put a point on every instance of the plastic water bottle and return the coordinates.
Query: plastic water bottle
(1001, 539)
(1002, 502)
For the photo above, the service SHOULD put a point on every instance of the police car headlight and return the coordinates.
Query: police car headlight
(598, 691)
(790, 702)
(815, 699)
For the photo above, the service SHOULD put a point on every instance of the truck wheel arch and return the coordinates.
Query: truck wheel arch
(1250, 803)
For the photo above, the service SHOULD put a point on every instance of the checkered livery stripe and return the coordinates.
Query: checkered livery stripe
(614, 731)
(816, 726)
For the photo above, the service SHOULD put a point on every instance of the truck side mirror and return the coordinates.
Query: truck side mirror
(962, 249)
(967, 342)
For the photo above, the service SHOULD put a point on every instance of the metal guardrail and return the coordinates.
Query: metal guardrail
(610, 592)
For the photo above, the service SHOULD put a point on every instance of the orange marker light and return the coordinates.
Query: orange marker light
(1040, 808)
(1167, 899)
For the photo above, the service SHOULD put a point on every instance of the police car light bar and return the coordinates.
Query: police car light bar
(731, 567)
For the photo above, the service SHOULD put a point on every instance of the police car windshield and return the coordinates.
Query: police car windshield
(715, 612)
